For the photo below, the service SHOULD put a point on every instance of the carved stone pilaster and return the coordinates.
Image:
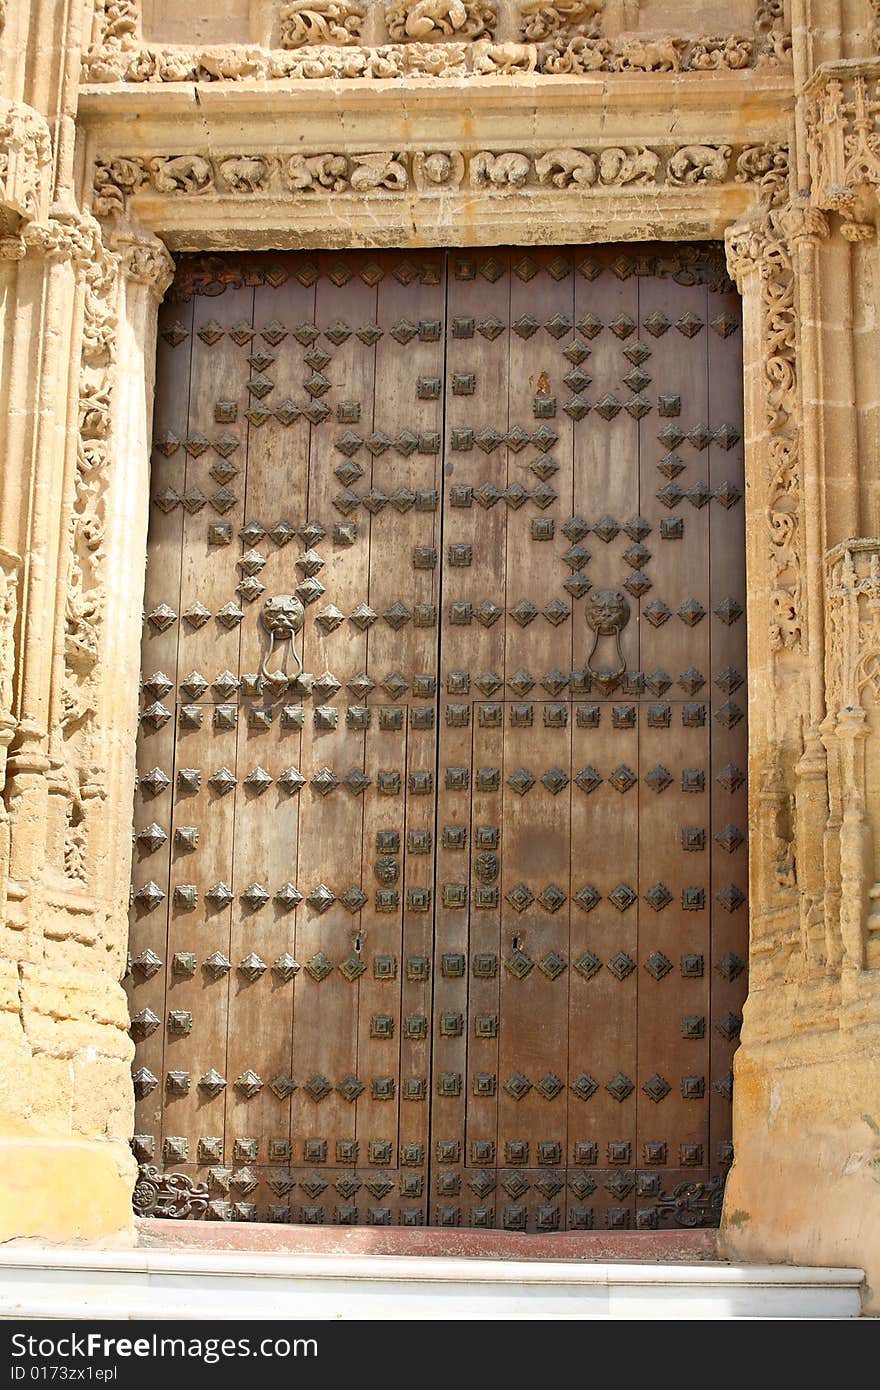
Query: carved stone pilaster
(25, 164)
(853, 733)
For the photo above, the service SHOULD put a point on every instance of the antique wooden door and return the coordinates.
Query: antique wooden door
(439, 899)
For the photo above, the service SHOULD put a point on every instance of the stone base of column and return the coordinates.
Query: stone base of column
(62, 1188)
(805, 1185)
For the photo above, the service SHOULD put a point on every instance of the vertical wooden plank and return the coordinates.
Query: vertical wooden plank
(673, 879)
(472, 674)
(205, 763)
(147, 980)
(266, 829)
(404, 480)
(536, 839)
(325, 1061)
(603, 981)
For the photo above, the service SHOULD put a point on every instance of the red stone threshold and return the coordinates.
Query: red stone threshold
(633, 1247)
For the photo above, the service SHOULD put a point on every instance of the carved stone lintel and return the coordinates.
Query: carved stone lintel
(25, 165)
(118, 178)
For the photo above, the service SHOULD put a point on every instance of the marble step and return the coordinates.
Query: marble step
(53, 1282)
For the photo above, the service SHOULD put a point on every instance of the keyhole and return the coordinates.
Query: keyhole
(516, 943)
(358, 942)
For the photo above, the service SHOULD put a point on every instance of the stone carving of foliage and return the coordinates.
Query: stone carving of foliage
(321, 21)
(440, 19)
(539, 20)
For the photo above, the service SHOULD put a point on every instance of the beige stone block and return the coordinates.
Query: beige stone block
(64, 1189)
(102, 1097)
(805, 1187)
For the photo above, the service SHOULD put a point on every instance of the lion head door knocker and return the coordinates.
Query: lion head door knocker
(607, 613)
(282, 617)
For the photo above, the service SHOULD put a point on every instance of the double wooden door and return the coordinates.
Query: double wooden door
(439, 897)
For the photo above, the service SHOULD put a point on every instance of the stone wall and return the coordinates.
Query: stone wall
(279, 123)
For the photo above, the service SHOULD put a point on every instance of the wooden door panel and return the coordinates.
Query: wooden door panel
(439, 907)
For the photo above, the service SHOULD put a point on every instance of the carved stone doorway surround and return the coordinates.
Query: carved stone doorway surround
(184, 159)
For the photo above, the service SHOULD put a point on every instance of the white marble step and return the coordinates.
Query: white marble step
(47, 1282)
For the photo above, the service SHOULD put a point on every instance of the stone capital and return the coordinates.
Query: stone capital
(144, 259)
(25, 165)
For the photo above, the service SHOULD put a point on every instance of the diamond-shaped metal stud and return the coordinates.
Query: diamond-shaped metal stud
(620, 1087)
(517, 1085)
(622, 897)
(147, 963)
(321, 898)
(212, 1083)
(556, 612)
(550, 1086)
(588, 779)
(252, 967)
(552, 965)
(658, 965)
(490, 327)
(319, 966)
(521, 781)
(729, 838)
(657, 612)
(551, 898)
(729, 1026)
(350, 1088)
(318, 1087)
(588, 965)
(622, 778)
(353, 899)
(689, 324)
(524, 612)
(587, 897)
(285, 967)
(288, 897)
(658, 897)
(585, 1086)
(731, 897)
(222, 781)
(144, 1081)
(149, 896)
(576, 352)
(520, 897)
(352, 968)
(325, 781)
(258, 780)
(728, 610)
(216, 964)
(488, 682)
(291, 781)
(255, 896)
(249, 1083)
(521, 682)
(356, 780)
(691, 612)
(555, 780)
(730, 966)
(282, 1085)
(144, 1023)
(659, 778)
(656, 1088)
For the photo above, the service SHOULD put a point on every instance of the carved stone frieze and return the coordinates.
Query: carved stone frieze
(282, 176)
(429, 38)
(25, 160)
